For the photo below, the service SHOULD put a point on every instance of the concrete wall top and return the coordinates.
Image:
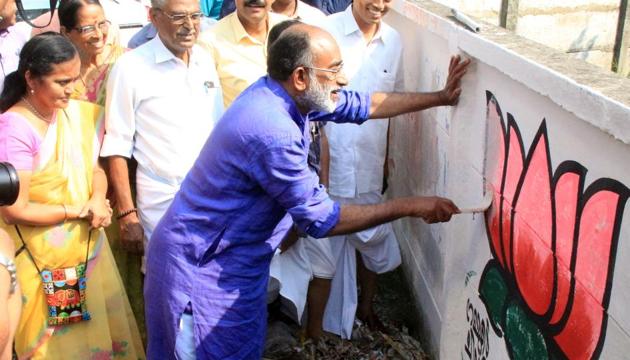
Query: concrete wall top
(566, 5)
(594, 95)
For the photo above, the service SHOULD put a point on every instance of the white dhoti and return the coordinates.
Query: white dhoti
(153, 197)
(380, 253)
(296, 267)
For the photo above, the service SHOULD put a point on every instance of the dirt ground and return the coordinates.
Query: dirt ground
(396, 309)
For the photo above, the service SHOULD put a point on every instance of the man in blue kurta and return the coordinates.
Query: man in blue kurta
(209, 256)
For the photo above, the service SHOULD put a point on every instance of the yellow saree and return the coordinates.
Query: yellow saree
(64, 176)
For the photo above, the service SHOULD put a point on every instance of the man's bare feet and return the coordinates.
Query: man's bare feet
(372, 321)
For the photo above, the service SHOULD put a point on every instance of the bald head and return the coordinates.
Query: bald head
(321, 42)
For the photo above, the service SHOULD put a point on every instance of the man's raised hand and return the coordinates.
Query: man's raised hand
(452, 90)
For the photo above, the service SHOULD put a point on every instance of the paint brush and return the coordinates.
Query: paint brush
(487, 201)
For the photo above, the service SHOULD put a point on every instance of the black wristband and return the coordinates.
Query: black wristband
(125, 213)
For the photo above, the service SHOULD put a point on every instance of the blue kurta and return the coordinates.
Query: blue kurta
(213, 246)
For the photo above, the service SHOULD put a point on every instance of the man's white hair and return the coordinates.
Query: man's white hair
(158, 3)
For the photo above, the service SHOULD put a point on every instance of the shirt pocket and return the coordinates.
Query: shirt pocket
(386, 81)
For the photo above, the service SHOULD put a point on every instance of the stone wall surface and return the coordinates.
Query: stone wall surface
(545, 272)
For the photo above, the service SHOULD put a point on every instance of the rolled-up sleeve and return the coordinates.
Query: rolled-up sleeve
(281, 169)
(120, 124)
(352, 107)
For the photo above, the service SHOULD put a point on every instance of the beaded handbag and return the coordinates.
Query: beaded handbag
(64, 289)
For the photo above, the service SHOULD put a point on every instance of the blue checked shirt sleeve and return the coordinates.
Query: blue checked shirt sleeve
(281, 169)
(352, 107)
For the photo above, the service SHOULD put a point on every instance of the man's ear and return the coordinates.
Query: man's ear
(300, 78)
(152, 13)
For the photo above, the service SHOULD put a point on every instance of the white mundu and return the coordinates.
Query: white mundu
(160, 111)
(357, 159)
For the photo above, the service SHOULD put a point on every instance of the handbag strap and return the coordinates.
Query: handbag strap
(87, 252)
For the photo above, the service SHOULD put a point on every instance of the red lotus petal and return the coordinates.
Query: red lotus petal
(579, 338)
(513, 172)
(506, 234)
(567, 191)
(532, 248)
(493, 221)
(595, 241)
(514, 163)
(496, 135)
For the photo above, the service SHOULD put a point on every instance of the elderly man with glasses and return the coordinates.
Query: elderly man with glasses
(163, 101)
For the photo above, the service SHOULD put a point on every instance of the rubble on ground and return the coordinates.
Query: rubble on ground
(286, 342)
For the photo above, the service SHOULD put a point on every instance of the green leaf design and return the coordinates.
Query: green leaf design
(494, 293)
(522, 336)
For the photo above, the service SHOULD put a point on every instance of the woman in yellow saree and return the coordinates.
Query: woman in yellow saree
(52, 141)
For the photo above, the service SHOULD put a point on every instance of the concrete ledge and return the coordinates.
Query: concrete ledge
(594, 95)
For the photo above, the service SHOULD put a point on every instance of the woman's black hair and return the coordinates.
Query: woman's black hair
(68, 10)
(38, 56)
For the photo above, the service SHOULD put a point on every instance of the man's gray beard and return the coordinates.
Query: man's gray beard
(316, 97)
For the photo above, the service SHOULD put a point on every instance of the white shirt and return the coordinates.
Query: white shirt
(161, 111)
(11, 41)
(357, 153)
(309, 14)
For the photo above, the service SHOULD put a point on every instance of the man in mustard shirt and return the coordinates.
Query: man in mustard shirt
(242, 40)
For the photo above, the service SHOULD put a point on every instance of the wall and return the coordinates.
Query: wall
(545, 272)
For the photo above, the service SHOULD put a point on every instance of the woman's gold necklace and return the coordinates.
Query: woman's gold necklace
(34, 111)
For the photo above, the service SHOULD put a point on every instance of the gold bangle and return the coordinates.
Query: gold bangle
(65, 212)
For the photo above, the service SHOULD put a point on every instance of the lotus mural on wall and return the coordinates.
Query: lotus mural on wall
(553, 242)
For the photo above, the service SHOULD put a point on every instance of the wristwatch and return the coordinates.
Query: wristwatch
(10, 266)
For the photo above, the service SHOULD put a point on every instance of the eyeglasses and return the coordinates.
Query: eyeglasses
(335, 72)
(180, 19)
(90, 29)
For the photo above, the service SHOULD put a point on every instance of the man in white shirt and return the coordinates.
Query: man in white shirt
(12, 37)
(297, 9)
(372, 56)
(163, 100)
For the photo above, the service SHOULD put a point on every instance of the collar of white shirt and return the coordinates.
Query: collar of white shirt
(350, 25)
(163, 54)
